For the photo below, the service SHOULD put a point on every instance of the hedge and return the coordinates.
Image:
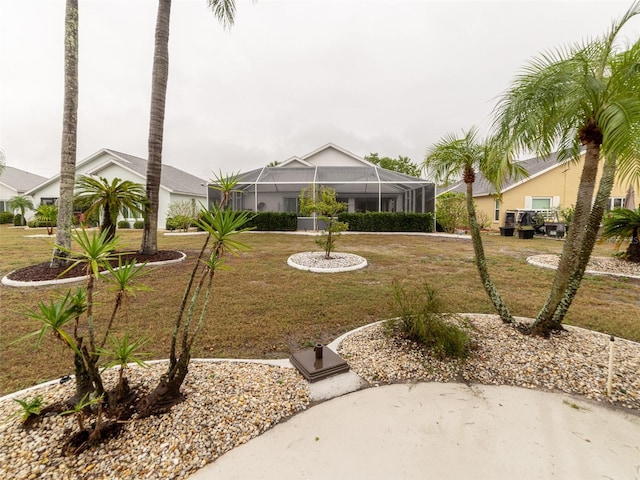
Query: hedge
(274, 221)
(388, 222)
(6, 217)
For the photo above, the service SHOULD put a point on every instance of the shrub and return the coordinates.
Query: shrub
(6, 217)
(388, 221)
(274, 221)
(139, 224)
(452, 211)
(124, 224)
(182, 222)
(421, 320)
(17, 220)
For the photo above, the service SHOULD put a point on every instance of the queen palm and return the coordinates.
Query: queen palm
(111, 198)
(453, 157)
(69, 134)
(224, 10)
(22, 203)
(586, 97)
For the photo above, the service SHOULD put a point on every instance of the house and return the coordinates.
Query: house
(362, 185)
(175, 184)
(13, 182)
(550, 187)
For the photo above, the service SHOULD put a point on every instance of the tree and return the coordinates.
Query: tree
(69, 135)
(401, 164)
(452, 211)
(583, 97)
(22, 203)
(224, 10)
(47, 215)
(222, 225)
(181, 214)
(622, 224)
(323, 202)
(111, 198)
(452, 157)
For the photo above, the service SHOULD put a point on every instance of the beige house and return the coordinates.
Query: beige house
(550, 187)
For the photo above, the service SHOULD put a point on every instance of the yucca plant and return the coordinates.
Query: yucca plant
(123, 352)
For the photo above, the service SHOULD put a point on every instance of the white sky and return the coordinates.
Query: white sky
(371, 76)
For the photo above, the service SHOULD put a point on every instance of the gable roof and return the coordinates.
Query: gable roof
(536, 166)
(171, 178)
(19, 180)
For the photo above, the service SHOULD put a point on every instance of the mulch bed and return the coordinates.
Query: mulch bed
(43, 271)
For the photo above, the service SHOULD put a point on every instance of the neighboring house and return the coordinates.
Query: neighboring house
(13, 182)
(550, 187)
(362, 185)
(175, 185)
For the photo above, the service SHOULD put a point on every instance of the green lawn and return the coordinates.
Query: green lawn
(264, 309)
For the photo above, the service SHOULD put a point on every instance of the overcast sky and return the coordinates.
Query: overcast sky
(371, 76)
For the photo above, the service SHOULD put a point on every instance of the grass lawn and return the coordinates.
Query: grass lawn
(262, 308)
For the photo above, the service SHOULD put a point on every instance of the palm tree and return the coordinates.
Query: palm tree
(622, 224)
(111, 198)
(224, 10)
(22, 203)
(453, 157)
(69, 134)
(583, 97)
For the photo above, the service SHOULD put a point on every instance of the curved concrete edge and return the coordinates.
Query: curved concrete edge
(362, 264)
(182, 234)
(531, 261)
(15, 283)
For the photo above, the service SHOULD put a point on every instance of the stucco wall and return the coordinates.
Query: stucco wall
(560, 183)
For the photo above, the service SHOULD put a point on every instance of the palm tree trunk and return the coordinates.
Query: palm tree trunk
(156, 127)
(633, 250)
(481, 261)
(69, 135)
(570, 253)
(591, 234)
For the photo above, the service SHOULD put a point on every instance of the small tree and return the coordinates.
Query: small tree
(111, 198)
(22, 203)
(400, 164)
(181, 214)
(48, 215)
(323, 204)
(452, 211)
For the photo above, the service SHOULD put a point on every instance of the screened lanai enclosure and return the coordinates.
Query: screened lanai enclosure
(366, 188)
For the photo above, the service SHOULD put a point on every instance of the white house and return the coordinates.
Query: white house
(175, 184)
(13, 182)
(362, 185)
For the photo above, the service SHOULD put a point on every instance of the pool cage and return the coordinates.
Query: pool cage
(362, 188)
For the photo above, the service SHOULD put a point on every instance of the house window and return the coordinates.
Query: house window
(541, 203)
(291, 204)
(3, 206)
(616, 202)
(128, 213)
(496, 210)
(48, 200)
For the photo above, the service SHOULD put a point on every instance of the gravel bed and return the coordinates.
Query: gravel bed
(227, 403)
(317, 260)
(574, 361)
(602, 265)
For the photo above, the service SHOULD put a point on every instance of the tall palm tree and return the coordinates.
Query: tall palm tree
(586, 97)
(224, 10)
(453, 157)
(111, 198)
(69, 134)
(22, 203)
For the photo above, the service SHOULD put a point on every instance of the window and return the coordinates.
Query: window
(3, 206)
(128, 213)
(291, 204)
(496, 210)
(541, 203)
(615, 202)
(48, 200)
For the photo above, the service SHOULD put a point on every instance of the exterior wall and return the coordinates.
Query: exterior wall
(111, 171)
(560, 184)
(6, 193)
(333, 158)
